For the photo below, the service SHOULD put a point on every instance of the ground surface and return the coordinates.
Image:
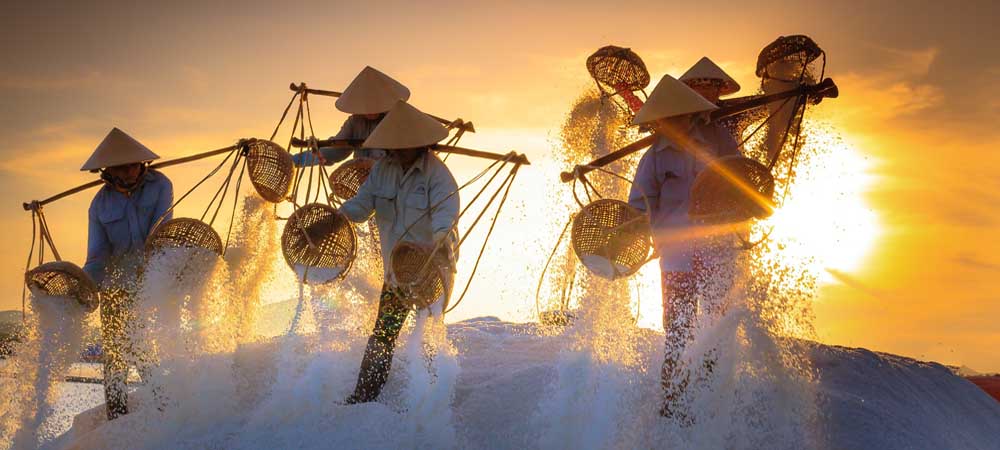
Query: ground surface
(867, 400)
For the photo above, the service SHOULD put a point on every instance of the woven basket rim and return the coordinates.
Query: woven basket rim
(284, 163)
(326, 209)
(66, 268)
(636, 65)
(784, 46)
(439, 270)
(635, 214)
(186, 221)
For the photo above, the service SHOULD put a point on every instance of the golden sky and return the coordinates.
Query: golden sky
(919, 102)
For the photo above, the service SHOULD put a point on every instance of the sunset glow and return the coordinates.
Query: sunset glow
(896, 208)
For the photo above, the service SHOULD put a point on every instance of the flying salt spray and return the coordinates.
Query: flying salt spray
(591, 398)
(185, 339)
(431, 368)
(53, 340)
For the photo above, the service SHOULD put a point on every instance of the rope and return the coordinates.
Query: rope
(453, 193)
(302, 136)
(764, 122)
(236, 200)
(298, 170)
(27, 267)
(326, 189)
(588, 185)
(210, 174)
(510, 182)
(454, 225)
(476, 197)
(47, 236)
(801, 102)
(223, 189)
(322, 179)
(453, 141)
(575, 197)
(541, 279)
(510, 176)
(283, 115)
(438, 244)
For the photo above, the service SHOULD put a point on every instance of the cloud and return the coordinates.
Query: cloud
(972, 261)
(904, 61)
(868, 100)
(852, 282)
(40, 160)
(60, 81)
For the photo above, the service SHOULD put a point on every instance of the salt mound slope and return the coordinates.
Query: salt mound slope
(868, 400)
(877, 400)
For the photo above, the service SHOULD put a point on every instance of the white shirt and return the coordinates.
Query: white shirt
(419, 202)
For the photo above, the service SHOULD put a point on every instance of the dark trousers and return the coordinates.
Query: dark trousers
(117, 316)
(679, 309)
(377, 361)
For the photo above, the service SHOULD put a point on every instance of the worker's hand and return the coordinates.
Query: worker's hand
(443, 240)
(319, 156)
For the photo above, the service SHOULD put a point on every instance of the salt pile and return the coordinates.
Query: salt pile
(869, 400)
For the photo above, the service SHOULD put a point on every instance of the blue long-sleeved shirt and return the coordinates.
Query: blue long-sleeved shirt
(356, 127)
(119, 223)
(662, 187)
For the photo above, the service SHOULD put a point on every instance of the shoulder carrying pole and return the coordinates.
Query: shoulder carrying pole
(510, 157)
(457, 123)
(513, 157)
(826, 89)
(34, 204)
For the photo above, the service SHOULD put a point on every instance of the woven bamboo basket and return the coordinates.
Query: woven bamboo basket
(732, 189)
(271, 169)
(349, 176)
(184, 232)
(420, 282)
(317, 236)
(789, 51)
(63, 279)
(611, 238)
(618, 69)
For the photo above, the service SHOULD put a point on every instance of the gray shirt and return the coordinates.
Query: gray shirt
(662, 187)
(418, 203)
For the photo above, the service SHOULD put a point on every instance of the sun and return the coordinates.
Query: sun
(822, 224)
(824, 221)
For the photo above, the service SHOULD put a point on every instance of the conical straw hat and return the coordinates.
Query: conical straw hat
(706, 70)
(117, 149)
(671, 98)
(406, 127)
(371, 92)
